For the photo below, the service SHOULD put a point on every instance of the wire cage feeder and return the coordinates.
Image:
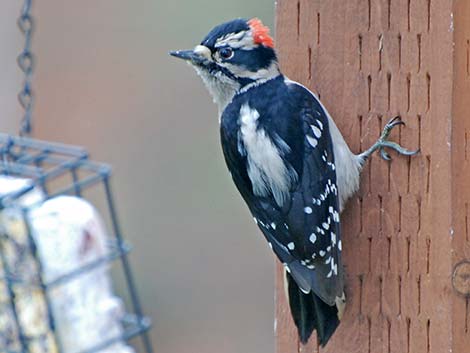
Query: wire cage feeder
(56, 170)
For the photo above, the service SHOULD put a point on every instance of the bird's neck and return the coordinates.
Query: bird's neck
(220, 88)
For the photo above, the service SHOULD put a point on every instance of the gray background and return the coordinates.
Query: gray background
(104, 80)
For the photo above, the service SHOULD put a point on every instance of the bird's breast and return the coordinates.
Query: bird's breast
(267, 169)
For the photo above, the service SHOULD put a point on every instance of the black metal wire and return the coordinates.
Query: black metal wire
(44, 163)
(137, 324)
(12, 304)
(117, 251)
(125, 262)
(26, 64)
(34, 251)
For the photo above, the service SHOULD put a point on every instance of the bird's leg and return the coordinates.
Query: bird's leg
(382, 142)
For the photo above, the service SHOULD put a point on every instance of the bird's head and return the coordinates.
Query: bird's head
(233, 55)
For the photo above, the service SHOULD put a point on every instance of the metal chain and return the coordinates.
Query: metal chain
(26, 64)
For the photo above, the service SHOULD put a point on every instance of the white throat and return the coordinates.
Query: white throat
(223, 89)
(219, 86)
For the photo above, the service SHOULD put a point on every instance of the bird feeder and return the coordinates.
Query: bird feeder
(56, 248)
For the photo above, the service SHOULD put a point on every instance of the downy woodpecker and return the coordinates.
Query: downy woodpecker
(290, 163)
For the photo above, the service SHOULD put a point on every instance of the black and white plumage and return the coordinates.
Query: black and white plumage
(275, 152)
(289, 162)
(281, 158)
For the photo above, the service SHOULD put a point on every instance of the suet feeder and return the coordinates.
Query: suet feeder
(56, 248)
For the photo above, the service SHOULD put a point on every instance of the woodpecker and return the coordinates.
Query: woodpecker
(289, 162)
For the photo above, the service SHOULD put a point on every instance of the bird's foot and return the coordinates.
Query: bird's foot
(383, 142)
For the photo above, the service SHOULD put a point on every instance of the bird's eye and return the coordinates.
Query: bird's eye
(226, 53)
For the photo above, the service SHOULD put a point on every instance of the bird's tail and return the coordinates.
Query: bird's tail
(311, 313)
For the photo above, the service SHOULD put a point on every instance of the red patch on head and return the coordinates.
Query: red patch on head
(260, 33)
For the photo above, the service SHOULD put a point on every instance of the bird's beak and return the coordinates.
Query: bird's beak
(198, 55)
(184, 54)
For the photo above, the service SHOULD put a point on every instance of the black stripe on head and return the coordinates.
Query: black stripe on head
(223, 29)
(214, 68)
(254, 59)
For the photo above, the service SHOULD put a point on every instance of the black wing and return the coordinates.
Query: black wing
(304, 232)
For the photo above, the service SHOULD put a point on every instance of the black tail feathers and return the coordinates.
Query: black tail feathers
(311, 313)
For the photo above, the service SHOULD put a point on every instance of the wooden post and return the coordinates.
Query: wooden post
(408, 229)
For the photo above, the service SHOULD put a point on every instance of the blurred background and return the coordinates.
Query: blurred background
(104, 80)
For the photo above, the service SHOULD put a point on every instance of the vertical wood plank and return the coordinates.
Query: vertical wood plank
(370, 60)
(461, 166)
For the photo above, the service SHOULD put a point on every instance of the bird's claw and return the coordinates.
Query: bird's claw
(383, 140)
(384, 154)
(390, 125)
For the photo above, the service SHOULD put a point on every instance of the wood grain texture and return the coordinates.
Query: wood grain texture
(370, 60)
(460, 164)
